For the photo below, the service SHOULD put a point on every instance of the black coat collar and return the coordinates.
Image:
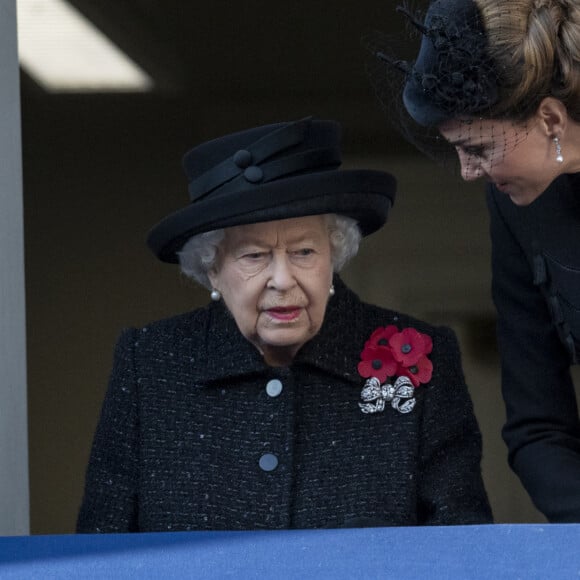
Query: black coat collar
(334, 350)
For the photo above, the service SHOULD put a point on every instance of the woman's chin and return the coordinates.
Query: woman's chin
(518, 195)
(282, 343)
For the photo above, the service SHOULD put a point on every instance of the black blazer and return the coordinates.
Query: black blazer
(188, 420)
(536, 289)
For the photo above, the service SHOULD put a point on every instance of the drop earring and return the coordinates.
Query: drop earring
(331, 291)
(559, 157)
(215, 295)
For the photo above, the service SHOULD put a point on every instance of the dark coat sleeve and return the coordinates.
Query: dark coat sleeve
(451, 490)
(110, 499)
(542, 430)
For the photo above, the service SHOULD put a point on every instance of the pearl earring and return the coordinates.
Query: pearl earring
(559, 157)
(215, 295)
(331, 291)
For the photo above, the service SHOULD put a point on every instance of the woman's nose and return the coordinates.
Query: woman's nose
(281, 274)
(470, 167)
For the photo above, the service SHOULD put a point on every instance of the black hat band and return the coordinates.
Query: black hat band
(269, 145)
(244, 178)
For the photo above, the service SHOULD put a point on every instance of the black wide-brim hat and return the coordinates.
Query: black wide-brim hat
(269, 173)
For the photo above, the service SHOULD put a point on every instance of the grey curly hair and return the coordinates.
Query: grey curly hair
(198, 255)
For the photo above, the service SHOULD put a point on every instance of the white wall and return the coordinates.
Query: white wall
(14, 510)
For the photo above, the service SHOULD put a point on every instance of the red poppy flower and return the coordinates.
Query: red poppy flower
(381, 336)
(409, 346)
(389, 353)
(418, 373)
(377, 361)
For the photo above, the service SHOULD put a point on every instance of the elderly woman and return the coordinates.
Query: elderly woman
(286, 402)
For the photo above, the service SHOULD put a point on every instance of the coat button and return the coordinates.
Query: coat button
(540, 273)
(268, 462)
(274, 388)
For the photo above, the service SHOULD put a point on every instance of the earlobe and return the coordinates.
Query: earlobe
(212, 277)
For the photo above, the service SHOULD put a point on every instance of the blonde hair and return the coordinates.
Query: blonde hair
(535, 45)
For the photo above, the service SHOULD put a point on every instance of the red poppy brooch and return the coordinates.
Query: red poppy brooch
(395, 363)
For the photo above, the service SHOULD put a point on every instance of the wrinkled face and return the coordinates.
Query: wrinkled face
(520, 160)
(275, 279)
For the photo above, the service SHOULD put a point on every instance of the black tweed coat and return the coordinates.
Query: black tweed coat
(187, 419)
(536, 288)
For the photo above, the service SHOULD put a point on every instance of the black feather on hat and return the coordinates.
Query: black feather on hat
(269, 173)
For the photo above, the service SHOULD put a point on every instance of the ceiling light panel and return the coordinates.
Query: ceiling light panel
(64, 52)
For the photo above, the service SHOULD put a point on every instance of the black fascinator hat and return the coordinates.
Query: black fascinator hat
(453, 75)
(268, 173)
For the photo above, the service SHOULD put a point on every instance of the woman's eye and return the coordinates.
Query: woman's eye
(254, 255)
(304, 252)
(474, 151)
